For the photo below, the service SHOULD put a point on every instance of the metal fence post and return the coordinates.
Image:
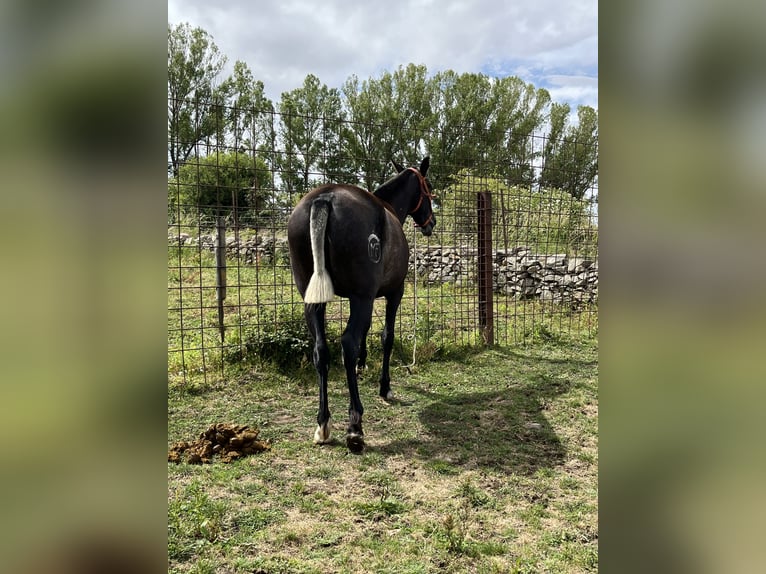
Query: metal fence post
(486, 307)
(220, 267)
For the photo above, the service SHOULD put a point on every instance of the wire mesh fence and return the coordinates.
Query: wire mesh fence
(231, 296)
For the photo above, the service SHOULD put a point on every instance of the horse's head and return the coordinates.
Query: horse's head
(421, 208)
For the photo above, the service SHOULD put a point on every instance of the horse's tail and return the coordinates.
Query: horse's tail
(320, 288)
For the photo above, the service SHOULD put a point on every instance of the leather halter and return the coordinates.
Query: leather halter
(423, 193)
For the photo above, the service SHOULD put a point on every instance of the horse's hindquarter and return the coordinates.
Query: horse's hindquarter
(354, 241)
(396, 257)
(366, 251)
(299, 244)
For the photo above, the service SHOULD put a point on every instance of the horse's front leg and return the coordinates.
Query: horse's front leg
(361, 363)
(387, 338)
(315, 318)
(358, 324)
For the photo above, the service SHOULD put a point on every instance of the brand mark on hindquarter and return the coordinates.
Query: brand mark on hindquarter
(373, 248)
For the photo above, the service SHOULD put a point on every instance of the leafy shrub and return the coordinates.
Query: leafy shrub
(546, 220)
(286, 342)
(211, 185)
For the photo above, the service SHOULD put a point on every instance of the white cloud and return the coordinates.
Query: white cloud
(575, 90)
(284, 41)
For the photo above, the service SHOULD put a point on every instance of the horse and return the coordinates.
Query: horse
(346, 241)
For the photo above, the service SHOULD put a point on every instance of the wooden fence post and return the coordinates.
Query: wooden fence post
(484, 263)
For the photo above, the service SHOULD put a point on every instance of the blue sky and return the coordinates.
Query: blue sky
(550, 43)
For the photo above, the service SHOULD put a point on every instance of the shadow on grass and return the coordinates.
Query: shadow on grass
(503, 430)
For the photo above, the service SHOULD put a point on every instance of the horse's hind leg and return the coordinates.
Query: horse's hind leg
(387, 338)
(358, 324)
(315, 318)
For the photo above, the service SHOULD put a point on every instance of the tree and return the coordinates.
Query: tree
(485, 124)
(310, 117)
(463, 108)
(364, 133)
(412, 111)
(215, 183)
(570, 157)
(388, 117)
(251, 117)
(250, 114)
(196, 98)
(520, 113)
(558, 119)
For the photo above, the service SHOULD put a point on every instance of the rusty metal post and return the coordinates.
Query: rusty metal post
(484, 263)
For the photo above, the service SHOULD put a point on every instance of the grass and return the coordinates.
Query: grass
(263, 315)
(486, 462)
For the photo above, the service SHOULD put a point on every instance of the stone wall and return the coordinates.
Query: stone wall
(249, 250)
(518, 272)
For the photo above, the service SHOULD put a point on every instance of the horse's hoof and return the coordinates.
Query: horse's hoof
(322, 434)
(355, 442)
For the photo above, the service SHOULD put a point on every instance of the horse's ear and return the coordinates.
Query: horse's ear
(424, 165)
(397, 167)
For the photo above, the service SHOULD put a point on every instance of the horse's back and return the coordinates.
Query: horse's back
(365, 249)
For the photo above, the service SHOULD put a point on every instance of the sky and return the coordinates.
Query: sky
(552, 44)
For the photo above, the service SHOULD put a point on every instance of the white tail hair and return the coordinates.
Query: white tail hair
(320, 288)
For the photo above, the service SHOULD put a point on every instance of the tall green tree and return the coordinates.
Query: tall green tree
(310, 120)
(250, 114)
(251, 118)
(364, 136)
(388, 117)
(520, 112)
(557, 120)
(196, 94)
(487, 125)
(570, 156)
(411, 112)
(463, 109)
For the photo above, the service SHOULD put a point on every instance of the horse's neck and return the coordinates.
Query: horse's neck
(398, 203)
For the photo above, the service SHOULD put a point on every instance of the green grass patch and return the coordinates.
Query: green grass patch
(487, 462)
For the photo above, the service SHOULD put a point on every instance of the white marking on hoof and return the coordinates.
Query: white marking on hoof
(390, 395)
(322, 434)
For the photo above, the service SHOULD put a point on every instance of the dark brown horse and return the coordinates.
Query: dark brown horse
(348, 242)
